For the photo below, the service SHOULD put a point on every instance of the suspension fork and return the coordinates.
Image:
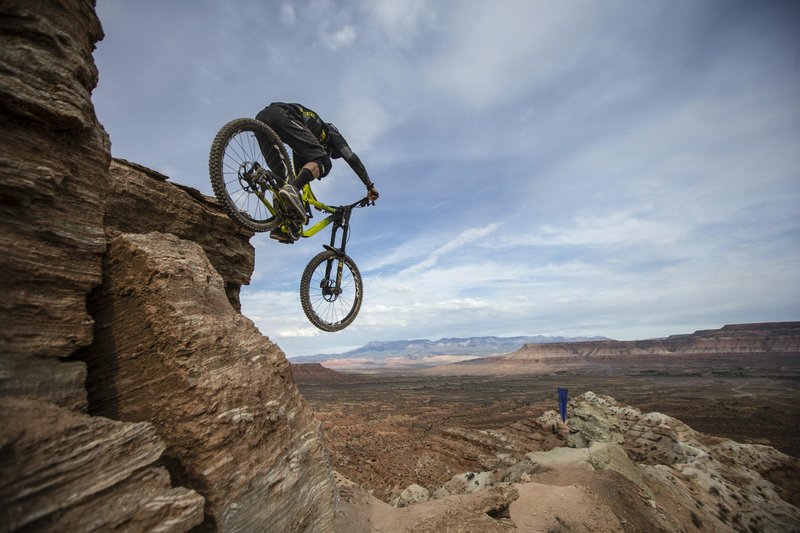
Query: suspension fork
(342, 223)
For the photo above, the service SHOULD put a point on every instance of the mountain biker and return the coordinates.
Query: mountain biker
(313, 143)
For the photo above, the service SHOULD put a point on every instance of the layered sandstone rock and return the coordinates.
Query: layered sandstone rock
(61, 470)
(171, 349)
(218, 396)
(624, 471)
(49, 73)
(82, 473)
(485, 511)
(718, 482)
(141, 200)
(54, 159)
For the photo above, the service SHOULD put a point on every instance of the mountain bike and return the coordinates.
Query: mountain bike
(248, 164)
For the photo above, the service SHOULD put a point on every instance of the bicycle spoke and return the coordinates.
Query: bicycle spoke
(332, 310)
(242, 151)
(232, 154)
(236, 161)
(238, 141)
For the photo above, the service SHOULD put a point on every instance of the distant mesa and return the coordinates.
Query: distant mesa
(738, 343)
(766, 338)
(421, 353)
(315, 373)
(547, 354)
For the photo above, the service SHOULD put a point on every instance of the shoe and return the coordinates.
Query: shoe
(288, 193)
(280, 236)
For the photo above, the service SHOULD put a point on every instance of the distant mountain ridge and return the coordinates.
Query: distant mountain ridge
(753, 339)
(378, 351)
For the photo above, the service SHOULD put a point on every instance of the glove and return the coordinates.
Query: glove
(372, 193)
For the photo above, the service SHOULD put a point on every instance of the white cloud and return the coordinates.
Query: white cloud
(464, 238)
(364, 120)
(401, 21)
(636, 227)
(288, 16)
(496, 52)
(339, 39)
(309, 331)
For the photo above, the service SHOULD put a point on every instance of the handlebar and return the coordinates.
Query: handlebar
(364, 202)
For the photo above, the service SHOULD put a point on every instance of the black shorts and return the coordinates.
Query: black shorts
(286, 121)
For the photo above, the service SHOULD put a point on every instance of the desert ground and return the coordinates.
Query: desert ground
(389, 431)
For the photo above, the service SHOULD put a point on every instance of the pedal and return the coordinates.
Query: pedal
(294, 230)
(283, 238)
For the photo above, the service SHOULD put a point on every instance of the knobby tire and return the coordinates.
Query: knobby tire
(331, 316)
(225, 154)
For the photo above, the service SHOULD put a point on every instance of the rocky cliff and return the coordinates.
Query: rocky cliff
(170, 349)
(622, 470)
(118, 282)
(141, 200)
(689, 477)
(54, 177)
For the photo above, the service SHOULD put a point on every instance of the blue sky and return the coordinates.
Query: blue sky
(618, 168)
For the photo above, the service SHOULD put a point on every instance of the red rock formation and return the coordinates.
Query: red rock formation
(315, 373)
(83, 473)
(54, 159)
(61, 470)
(141, 200)
(171, 349)
(217, 395)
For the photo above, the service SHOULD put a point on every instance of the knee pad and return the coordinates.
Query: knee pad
(324, 164)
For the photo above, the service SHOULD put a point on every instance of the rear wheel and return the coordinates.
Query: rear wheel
(246, 163)
(329, 305)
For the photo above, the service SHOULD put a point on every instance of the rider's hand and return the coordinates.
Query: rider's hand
(372, 193)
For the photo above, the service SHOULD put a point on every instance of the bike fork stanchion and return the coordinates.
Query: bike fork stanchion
(339, 270)
(329, 264)
(341, 222)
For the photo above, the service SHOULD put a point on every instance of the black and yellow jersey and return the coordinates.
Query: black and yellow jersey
(330, 139)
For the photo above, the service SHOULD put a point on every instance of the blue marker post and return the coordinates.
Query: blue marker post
(563, 396)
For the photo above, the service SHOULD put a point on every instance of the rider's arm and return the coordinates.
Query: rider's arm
(358, 167)
(343, 150)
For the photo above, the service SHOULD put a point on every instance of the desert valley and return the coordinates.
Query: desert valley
(407, 436)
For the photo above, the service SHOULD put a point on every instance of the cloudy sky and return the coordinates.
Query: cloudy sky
(619, 168)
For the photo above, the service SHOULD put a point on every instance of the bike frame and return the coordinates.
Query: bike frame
(339, 216)
(308, 198)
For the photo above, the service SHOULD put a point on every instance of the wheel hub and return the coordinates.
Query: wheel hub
(249, 178)
(329, 290)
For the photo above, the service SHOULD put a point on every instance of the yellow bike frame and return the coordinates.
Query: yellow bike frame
(308, 198)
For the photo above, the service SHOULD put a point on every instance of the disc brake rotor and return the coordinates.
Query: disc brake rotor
(247, 175)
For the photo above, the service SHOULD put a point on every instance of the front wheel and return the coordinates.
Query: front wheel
(331, 291)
